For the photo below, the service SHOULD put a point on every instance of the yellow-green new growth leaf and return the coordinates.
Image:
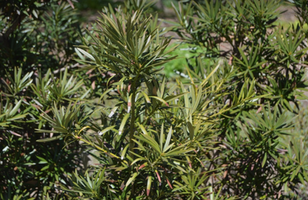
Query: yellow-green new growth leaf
(123, 123)
(160, 99)
(131, 179)
(146, 97)
(124, 152)
(106, 130)
(81, 51)
(142, 128)
(166, 146)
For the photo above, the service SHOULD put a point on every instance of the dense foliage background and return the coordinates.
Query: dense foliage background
(119, 109)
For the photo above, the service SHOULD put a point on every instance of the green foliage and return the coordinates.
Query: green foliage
(41, 39)
(223, 129)
(36, 40)
(28, 167)
(273, 59)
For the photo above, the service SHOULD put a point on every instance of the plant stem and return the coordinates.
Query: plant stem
(132, 127)
(133, 118)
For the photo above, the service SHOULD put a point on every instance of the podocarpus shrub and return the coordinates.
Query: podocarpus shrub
(273, 60)
(37, 40)
(222, 133)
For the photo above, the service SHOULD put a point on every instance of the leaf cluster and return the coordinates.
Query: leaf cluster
(223, 130)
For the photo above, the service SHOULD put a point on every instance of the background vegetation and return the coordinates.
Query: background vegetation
(117, 109)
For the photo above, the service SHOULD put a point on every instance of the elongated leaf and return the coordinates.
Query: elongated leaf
(123, 123)
(191, 130)
(160, 99)
(151, 141)
(131, 179)
(78, 50)
(142, 128)
(50, 139)
(124, 152)
(14, 110)
(168, 139)
(106, 130)
(149, 185)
